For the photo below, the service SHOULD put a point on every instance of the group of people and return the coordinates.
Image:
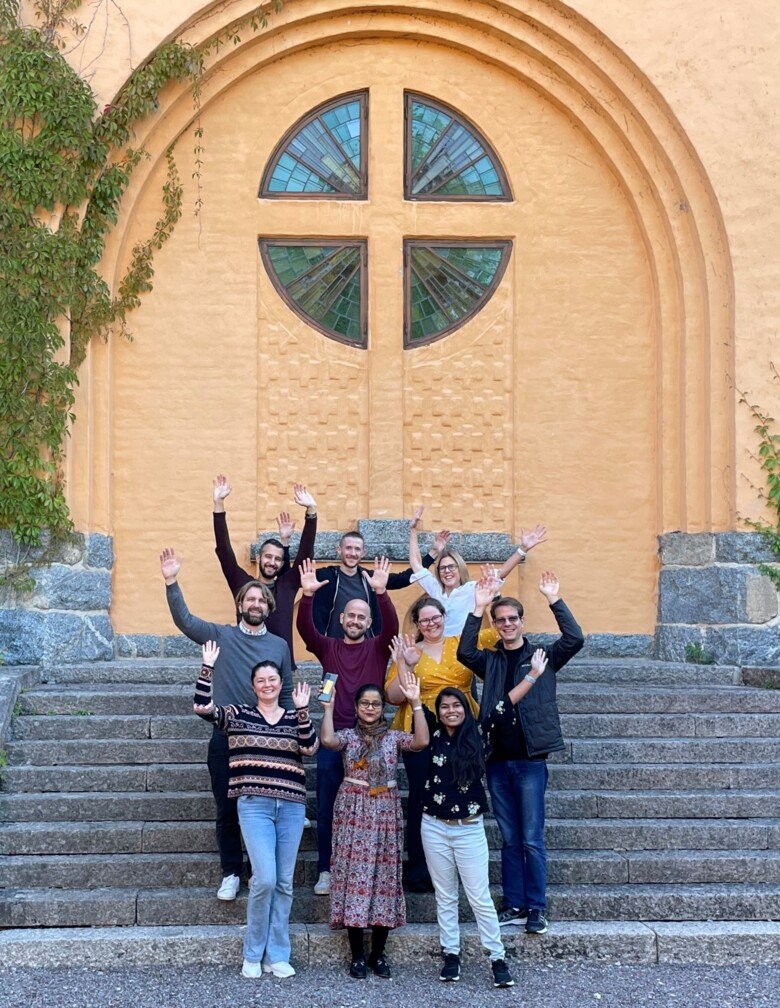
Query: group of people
(446, 740)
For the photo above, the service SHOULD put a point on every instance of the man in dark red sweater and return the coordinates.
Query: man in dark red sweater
(357, 660)
(275, 570)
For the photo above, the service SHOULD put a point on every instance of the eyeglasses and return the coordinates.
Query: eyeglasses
(448, 569)
(370, 703)
(507, 619)
(430, 620)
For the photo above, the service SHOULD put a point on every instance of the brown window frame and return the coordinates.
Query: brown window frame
(506, 246)
(325, 242)
(298, 125)
(412, 96)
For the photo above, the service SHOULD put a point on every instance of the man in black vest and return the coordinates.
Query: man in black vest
(520, 737)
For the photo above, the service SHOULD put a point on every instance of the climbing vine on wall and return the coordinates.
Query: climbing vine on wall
(767, 455)
(64, 166)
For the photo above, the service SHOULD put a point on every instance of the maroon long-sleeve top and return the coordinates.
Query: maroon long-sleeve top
(355, 664)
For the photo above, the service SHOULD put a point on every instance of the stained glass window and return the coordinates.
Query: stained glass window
(447, 282)
(324, 154)
(447, 158)
(324, 282)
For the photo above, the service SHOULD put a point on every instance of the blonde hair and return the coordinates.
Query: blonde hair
(460, 562)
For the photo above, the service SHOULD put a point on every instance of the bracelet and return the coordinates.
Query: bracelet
(415, 709)
(522, 554)
(530, 678)
(302, 710)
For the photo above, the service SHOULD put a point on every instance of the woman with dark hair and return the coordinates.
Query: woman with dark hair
(265, 745)
(453, 831)
(433, 656)
(365, 880)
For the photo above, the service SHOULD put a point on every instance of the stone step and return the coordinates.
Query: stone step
(85, 871)
(620, 835)
(96, 751)
(563, 776)
(315, 945)
(573, 698)
(704, 750)
(575, 726)
(156, 806)
(112, 907)
(639, 671)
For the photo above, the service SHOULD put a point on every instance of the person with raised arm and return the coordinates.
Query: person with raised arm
(274, 569)
(347, 580)
(520, 735)
(241, 646)
(448, 579)
(357, 660)
(366, 888)
(268, 781)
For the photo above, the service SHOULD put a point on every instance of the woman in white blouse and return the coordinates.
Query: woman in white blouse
(447, 580)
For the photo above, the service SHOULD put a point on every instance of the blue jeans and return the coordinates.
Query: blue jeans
(517, 792)
(272, 830)
(330, 774)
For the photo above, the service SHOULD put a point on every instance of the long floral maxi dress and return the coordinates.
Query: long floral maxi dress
(366, 887)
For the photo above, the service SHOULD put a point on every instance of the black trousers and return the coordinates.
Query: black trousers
(228, 829)
(417, 765)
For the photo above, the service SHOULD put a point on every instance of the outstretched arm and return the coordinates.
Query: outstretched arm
(306, 545)
(327, 732)
(528, 540)
(312, 638)
(572, 639)
(234, 575)
(411, 692)
(469, 652)
(196, 629)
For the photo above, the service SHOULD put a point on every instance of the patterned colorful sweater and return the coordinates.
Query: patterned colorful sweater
(264, 759)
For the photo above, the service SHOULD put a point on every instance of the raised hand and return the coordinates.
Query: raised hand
(170, 565)
(303, 497)
(549, 586)
(404, 651)
(490, 572)
(538, 662)
(301, 695)
(286, 526)
(210, 652)
(221, 488)
(484, 592)
(378, 580)
(528, 540)
(309, 582)
(417, 516)
(440, 540)
(411, 690)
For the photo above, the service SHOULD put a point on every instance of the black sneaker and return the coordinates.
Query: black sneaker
(357, 969)
(379, 966)
(501, 975)
(450, 971)
(512, 915)
(536, 923)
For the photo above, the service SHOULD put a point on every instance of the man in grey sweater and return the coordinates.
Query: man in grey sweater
(241, 647)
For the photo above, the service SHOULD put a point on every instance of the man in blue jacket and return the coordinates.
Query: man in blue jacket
(520, 737)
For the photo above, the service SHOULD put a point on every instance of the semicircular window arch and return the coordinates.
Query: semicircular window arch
(324, 155)
(446, 157)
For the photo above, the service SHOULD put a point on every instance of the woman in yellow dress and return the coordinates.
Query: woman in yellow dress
(432, 656)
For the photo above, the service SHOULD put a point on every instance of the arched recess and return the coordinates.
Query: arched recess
(578, 70)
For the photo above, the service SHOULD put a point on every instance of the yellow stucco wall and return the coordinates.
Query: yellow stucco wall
(591, 392)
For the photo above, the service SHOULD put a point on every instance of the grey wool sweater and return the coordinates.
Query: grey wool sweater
(239, 652)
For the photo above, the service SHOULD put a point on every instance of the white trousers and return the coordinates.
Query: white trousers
(461, 850)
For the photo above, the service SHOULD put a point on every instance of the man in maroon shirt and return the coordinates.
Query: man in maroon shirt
(356, 660)
(274, 565)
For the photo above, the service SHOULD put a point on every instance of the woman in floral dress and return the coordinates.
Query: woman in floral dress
(365, 883)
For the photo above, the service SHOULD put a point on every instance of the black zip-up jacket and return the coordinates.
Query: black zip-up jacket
(325, 599)
(538, 710)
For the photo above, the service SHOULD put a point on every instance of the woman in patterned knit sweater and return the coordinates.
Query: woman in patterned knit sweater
(265, 745)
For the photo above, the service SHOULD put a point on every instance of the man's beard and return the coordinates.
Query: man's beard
(270, 574)
(253, 619)
(354, 634)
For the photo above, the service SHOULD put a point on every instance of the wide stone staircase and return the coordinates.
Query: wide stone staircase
(663, 823)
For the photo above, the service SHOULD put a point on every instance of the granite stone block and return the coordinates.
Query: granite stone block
(59, 586)
(68, 637)
(686, 549)
(178, 646)
(719, 943)
(672, 640)
(741, 645)
(717, 594)
(139, 646)
(743, 547)
(605, 645)
(100, 551)
(21, 636)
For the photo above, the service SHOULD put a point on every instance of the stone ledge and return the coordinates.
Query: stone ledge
(12, 682)
(634, 942)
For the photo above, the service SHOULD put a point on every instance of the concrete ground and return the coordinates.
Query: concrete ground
(549, 986)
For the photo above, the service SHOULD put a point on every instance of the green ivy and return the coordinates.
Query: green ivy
(64, 166)
(768, 457)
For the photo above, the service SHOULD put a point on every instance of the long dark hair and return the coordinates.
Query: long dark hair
(468, 756)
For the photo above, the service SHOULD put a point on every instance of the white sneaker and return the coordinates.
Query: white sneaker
(307, 823)
(280, 969)
(229, 888)
(251, 970)
(322, 887)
